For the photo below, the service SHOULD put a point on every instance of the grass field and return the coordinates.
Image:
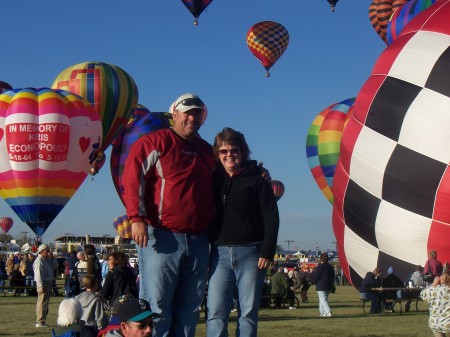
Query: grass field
(17, 318)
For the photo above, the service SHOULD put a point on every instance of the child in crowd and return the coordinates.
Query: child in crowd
(93, 318)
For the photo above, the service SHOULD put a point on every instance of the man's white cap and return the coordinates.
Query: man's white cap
(188, 102)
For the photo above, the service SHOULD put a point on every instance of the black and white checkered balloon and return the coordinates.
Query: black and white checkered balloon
(392, 182)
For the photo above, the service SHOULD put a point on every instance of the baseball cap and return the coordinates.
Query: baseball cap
(42, 247)
(135, 310)
(188, 102)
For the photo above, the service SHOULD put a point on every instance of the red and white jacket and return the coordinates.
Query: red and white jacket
(167, 182)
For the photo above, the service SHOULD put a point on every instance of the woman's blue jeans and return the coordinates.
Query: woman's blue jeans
(173, 272)
(234, 268)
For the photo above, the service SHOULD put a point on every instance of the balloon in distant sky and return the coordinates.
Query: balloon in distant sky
(403, 15)
(150, 122)
(123, 226)
(379, 13)
(4, 86)
(196, 7)
(323, 142)
(267, 40)
(46, 139)
(332, 4)
(278, 188)
(392, 182)
(6, 224)
(110, 89)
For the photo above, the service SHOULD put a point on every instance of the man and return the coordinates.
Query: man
(371, 280)
(279, 286)
(136, 319)
(169, 200)
(43, 276)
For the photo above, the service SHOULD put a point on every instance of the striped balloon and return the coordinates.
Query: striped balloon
(110, 89)
(323, 144)
(267, 40)
(144, 124)
(123, 226)
(403, 15)
(46, 139)
(379, 13)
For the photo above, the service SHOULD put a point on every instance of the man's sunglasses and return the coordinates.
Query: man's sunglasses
(190, 102)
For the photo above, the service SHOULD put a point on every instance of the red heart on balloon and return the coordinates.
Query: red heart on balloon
(1, 134)
(84, 143)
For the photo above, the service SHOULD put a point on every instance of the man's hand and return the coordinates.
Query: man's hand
(263, 263)
(265, 172)
(139, 233)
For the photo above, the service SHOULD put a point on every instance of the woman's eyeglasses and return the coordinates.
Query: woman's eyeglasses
(233, 151)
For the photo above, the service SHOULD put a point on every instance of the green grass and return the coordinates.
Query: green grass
(17, 318)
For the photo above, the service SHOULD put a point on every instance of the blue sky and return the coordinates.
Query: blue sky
(329, 57)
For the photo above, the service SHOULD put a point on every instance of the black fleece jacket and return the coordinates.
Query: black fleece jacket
(247, 211)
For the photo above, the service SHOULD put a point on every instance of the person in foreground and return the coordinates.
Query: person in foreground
(136, 319)
(323, 278)
(69, 314)
(437, 295)
(43, 276)
(169, 201)
(243, 237)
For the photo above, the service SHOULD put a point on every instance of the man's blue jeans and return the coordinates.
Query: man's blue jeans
(234, 268)
(173, 271)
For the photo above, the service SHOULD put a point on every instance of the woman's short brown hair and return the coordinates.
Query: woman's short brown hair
(231, 137)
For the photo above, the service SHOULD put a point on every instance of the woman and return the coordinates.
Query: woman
(120, 279)
(243, 237)
(88, 265)
(69, 314)
(323, 278)
(437, 296)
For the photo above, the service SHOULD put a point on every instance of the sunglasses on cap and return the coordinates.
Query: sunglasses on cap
(190, 102)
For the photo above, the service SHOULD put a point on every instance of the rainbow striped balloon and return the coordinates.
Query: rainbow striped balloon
(110, 89)
(46, 139)
(323, 144)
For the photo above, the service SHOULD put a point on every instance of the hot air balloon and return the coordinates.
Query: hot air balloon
(278, 188)
(109, 88)
(196, 7)
(149, 122)
(4, 86)
(392, 182)
(332, 4)
(379, 13)
(323, 142)
(403, 15)
(267, 40)
(123, 226)
(46, 138)
(6, 224)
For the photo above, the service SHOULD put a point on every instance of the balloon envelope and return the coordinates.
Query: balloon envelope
(6, 224)
(392, 182)
(46, 138)
(403, 15)
(144, 124)
(4, 86)
(123, 226)
(196, 7)
(267, 41)
(278, 189)
(323, 144)
(379, 13)
(110, 89)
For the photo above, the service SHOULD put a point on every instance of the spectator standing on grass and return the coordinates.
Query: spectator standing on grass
(105, 266)
(3, 275)
(89, 265)
(29, 272)
(243, 236)
(323, 278)
(9, 264)
(43, 276)
(437, 295)
(17, 279)
(54, 263)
